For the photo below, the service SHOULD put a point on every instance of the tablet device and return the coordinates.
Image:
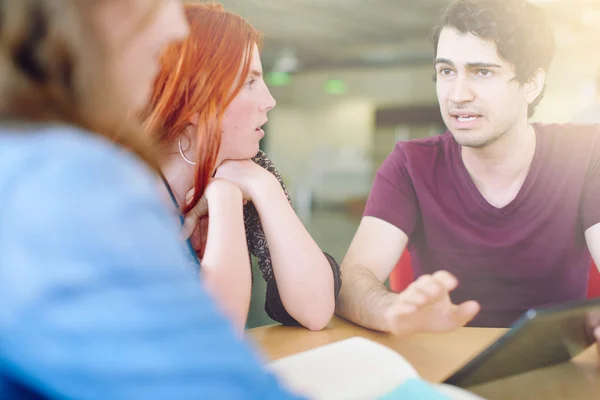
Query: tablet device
(540, 338)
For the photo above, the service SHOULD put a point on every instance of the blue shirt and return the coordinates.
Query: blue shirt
(97, 300)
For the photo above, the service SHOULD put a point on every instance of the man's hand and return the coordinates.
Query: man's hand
(425, 306)
(597, 336)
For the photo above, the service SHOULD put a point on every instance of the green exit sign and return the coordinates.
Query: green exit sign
(334, 86)
(278, 78)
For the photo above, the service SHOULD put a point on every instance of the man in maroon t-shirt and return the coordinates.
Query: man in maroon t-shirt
(506, 208)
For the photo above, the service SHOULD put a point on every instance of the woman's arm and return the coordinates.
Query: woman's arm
(304, 277)
(225, 263)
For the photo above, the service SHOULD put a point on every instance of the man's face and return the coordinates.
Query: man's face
(479, 97)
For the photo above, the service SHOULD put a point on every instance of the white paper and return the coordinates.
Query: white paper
(355, 368)
(352, 369)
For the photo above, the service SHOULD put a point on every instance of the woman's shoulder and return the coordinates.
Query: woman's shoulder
(56, 143)
(264, 161)
(54, 175)
(56, 152)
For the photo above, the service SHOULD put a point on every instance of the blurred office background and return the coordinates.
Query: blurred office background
(353, 77)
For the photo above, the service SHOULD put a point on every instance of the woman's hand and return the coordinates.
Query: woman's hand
(199, 236)
(248, 176)
(216, 190)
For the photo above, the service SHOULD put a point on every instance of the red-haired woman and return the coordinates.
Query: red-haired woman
(208, 106)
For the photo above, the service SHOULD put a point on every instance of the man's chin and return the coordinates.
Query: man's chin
(472, 139)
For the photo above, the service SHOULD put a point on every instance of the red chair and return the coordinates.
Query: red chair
(402, 276)
(594, 282)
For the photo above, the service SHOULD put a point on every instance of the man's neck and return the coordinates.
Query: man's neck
(505, 160)
(499, 170)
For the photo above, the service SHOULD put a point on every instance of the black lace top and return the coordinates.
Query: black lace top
(257, 245)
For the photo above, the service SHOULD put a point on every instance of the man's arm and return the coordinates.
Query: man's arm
(590, 212)
(391, 214)
(592, 238)
(424, 306)
(375, 250)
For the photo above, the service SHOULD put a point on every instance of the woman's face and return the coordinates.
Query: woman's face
(247, 113)
(137, 30)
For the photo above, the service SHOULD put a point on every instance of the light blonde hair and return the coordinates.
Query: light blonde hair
(54, 68)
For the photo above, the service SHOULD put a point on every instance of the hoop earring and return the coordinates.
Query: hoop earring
(187, 160)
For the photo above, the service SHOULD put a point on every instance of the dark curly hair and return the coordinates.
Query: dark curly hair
(520, 29)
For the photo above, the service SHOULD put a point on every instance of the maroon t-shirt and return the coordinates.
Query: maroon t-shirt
(530, 253)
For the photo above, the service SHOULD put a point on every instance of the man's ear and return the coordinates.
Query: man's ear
(534, 85)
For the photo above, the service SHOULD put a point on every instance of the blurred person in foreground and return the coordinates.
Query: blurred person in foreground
(497, 213)
(206, 114)
(97, 300)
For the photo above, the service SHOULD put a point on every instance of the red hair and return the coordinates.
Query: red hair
(197, 77)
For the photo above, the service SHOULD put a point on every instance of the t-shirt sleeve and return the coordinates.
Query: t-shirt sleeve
(392, 196)
(590, 204)
(98, 300)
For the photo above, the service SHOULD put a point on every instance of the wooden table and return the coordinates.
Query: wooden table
(436, 356)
